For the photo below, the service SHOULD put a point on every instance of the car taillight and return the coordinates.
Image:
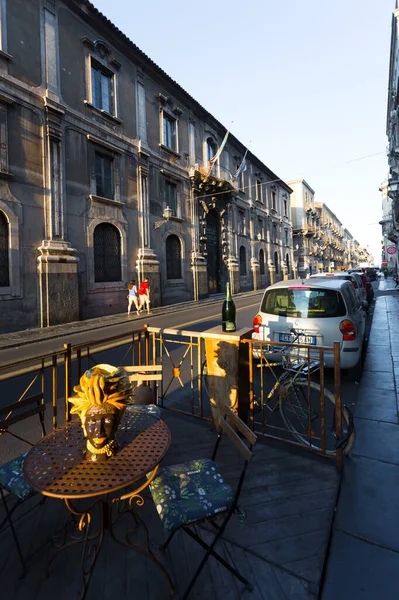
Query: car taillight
(348, 330)
(257, 323)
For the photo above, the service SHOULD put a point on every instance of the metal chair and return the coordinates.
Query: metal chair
(145, 373)
(11, 472)
(194, 493)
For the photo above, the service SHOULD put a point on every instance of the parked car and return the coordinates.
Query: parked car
(355, 278)
(366, 282)
(325, 309)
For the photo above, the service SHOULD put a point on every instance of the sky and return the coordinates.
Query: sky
(303, 83)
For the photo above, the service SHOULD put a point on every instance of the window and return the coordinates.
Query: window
(260, 229)
(4, 256)
(274, 233)
(243, 261)
(141, 112)
(169, 132)
(102, 88)
(258, 189)
(286, 237)
(286, 208)
(262, 262)
(191, 143)
(171, 196)
(107, 253)
(287, 262)
(104, 176)
(303, 303)
(173, 257)
(273, 197)
(210, 149)
(276, 262)
(227, 164)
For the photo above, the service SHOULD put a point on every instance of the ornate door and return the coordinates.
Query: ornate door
(214, 251)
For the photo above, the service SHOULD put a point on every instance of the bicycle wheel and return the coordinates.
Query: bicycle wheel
(295, 407)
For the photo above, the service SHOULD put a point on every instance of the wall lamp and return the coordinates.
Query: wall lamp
(167, 213)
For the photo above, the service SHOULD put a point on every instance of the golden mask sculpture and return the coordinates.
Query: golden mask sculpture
(101, 399)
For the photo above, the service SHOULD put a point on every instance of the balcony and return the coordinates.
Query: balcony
(286, 489)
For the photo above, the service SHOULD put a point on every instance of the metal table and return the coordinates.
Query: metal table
(56, 467)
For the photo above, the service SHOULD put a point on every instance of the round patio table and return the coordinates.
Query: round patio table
(57, 467)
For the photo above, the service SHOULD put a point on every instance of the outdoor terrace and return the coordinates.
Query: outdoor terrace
(289, 497)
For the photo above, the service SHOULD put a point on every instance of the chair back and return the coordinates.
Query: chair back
(231, 425)
(140, 373)
(18, 411)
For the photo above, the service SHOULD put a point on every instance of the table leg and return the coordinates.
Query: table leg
(91, 539)
(126, 507)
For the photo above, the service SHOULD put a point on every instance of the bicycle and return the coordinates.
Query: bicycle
(297, 400)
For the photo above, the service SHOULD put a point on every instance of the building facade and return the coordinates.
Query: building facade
(320, 241)
(390, 187)
(106, 174)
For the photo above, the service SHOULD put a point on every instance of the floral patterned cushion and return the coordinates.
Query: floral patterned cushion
(189, 492)
(12, 479)
(150, 409)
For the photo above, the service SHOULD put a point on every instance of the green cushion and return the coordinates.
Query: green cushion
(190, 492)
(12, 479)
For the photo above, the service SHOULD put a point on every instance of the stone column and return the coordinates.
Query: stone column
(50, 50)
(57, 262)
(147, 263)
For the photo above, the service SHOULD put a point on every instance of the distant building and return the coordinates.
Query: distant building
(105, 176)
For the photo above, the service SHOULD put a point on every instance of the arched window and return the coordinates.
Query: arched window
(4, 256)
(287, 262)
(262, 261)
(173, 257)
(211, 148)
(107, 253)
(276, 262)
(243, 261)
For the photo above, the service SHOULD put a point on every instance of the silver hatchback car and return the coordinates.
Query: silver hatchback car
(324, 309)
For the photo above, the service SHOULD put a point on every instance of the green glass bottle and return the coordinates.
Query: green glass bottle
(228, 312)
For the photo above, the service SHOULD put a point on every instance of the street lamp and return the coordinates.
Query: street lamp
(167, 213)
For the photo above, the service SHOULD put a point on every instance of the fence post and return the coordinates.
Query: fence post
(337, 394)
(68, 377)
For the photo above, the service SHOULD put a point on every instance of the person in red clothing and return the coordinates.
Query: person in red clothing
(144, 295)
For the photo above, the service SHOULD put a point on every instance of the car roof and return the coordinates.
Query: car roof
(323, 282)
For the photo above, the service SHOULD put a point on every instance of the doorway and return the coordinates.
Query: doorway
(214, 252)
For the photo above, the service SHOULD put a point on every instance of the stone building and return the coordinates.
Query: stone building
(390, 187)
(105, 176)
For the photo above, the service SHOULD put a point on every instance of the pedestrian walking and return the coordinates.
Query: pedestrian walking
(144, 295)
(132, 297)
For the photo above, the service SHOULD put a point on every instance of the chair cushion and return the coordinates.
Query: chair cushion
(190, 492)
(150, 409)
(12, 479)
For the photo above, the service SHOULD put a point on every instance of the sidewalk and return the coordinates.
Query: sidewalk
(363, 561)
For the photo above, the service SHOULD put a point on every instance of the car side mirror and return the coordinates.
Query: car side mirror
(365, 305)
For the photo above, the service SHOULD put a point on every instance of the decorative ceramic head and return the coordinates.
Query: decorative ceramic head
(100, 402)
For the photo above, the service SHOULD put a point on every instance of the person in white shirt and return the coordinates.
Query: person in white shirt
(132, 297)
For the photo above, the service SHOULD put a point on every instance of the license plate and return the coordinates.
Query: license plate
(310, 340)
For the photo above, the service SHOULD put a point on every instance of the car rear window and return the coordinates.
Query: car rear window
(303, 303)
